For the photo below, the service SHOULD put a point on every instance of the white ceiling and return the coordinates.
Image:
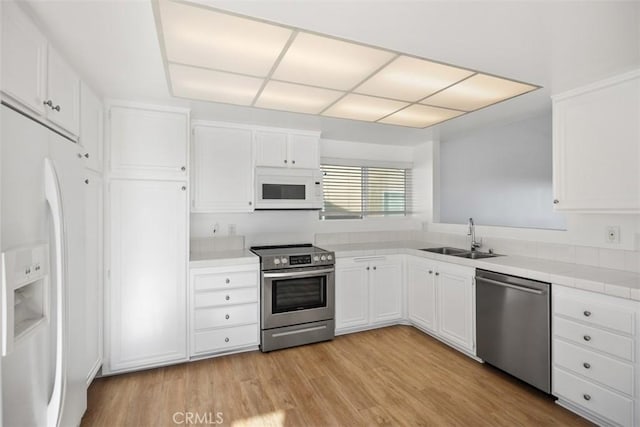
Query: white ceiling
(556, 44)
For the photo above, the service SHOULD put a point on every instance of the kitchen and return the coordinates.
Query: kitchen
(331, 205)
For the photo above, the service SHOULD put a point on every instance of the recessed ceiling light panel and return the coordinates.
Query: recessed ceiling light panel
(292, 97)
(216, 86)
(203, 37)
(477, 92)
(411, 79)
(361, 107)
(328, 62)
(420, 116)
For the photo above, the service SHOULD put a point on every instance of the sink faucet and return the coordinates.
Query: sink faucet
(472, 232)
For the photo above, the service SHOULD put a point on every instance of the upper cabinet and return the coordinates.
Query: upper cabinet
(596, 147)
(91, 128)
(287, 149)
(223, 169)
(148, 142)
(35, 75)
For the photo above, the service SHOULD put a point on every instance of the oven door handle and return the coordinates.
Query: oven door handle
(298, 274)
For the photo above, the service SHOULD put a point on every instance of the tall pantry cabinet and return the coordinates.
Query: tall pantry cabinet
(147, 237)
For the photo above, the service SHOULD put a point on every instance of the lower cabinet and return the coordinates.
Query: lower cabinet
(442, 300)
(224, 309)
(146, 316)
(369, 292)
(596, 350)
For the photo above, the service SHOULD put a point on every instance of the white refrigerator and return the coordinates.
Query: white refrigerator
(42, 244)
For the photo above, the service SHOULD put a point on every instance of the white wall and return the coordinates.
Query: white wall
(271, 227)
(500, 175)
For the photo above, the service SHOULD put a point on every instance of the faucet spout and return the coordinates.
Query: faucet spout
(472, 232)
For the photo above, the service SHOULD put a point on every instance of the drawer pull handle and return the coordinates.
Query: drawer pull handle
(227, 298)
(586, 397)
(226, 317)
(228, 281)
(226, 339)
(430, 271)
(587, 313)
(586, 365)
(587, 338)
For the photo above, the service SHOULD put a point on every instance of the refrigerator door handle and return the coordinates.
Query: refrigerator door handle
(54, 200)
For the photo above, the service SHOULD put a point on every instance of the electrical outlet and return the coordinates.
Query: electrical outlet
(613, 234)
(232, 229)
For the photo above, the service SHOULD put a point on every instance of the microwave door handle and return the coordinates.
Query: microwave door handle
(298, 274)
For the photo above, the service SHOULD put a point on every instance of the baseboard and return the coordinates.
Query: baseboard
(583, 413)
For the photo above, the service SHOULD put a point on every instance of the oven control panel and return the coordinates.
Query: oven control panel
(302, 260)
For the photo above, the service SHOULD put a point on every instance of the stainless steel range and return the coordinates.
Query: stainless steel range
(297, 295)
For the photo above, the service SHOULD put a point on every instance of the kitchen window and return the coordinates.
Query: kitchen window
(356, 192)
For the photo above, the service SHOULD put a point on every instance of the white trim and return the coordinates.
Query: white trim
(336, 161)
(611, 81)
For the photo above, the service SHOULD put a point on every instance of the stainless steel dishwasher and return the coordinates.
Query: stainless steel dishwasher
(513, 326)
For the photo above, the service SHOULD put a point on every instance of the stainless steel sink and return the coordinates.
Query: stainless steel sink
(475, 255)
(445, 251)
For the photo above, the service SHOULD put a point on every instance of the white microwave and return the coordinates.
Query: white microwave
(280, 188)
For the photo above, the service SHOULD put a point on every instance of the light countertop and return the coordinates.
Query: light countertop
(619, 283)
(222, 258)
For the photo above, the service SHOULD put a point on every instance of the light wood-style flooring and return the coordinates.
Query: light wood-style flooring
(391, 376)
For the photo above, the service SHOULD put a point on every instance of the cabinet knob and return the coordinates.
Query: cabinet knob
(227, 281)
(86, 181)
(587, 313)
(437, 274)
(587, 338)
(79, 155)
(556, 201)
(374, 267)
(367, 268)
(184, 188)
(227, 297)
(430, 271)
(226, 339)
(226, 317)
(285, 161)
(250, 203)
(183, 168)
(86, 155)
(293, 161)
(586, 365)
(57, 108)
(586, 397)
(48, 103)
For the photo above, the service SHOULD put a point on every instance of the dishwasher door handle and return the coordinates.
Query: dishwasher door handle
(508, 285)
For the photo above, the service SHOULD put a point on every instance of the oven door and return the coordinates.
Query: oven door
(297, 295)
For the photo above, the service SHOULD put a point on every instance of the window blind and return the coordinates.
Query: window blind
(359, 192)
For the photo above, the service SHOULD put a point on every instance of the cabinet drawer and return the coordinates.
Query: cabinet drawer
(600, 401)
(223, 339)
(225, 316)
(596, 313)
(224, 298)
(225, 280)
(615, 374)
(594, 338)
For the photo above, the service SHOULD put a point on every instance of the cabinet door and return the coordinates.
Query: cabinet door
(63, 90)
(386, 290)
(91, 128)
(303, 151)
(148, 143)
(352, 295)
(271, 149)
(94, 273)
(456, 305)
(223, 174)
(148, 256)
(421, 287)
(24, 58)
(596, 148)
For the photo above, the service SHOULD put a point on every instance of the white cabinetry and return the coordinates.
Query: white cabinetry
(596, 370)
(223, 168)
(596, 147)
(94, 272)
(442, 300)
(369, 292)
(148, 258)
(91, 128)
(224, 309)
(287, 149)
(34, 74)
(148, 142)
